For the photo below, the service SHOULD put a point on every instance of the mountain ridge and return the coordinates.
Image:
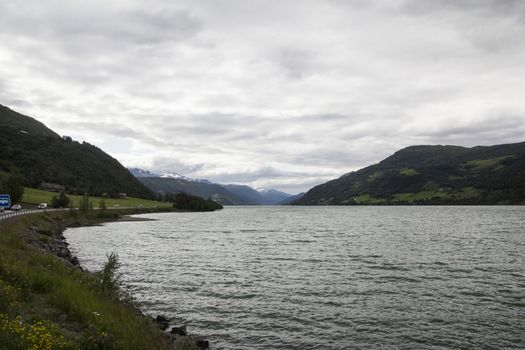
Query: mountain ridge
(229, 194)
(432, 174)
(42, 155)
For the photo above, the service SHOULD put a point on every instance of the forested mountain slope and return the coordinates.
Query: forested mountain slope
(432, 175)
(41, 155)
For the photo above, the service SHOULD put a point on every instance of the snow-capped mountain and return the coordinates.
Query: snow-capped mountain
(174, 176)
(178, 176)
(142, 173)
(225, 194)
(137, 172)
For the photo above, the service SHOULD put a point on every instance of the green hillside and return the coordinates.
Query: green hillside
(432, 175)
(41, 155)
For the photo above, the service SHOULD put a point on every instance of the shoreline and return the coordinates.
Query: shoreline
(129, 218)
(48, 239)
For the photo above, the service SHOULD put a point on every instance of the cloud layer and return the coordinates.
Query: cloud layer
(281, 94)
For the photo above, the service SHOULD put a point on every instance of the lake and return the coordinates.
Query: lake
(285, 277)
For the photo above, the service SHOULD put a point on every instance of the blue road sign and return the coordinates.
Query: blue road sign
(5, 201)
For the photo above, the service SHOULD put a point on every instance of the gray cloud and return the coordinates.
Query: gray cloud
(94, 24)
(492, 8)
(284, 95)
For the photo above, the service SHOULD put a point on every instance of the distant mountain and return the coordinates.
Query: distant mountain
(271, 196)
(224, 194)
(261, 197)
(137, 172)
(247, 194)
(432, 175)
(142, 173)
(42, 155)
(200, 189)
(178, 176)
(291, 199)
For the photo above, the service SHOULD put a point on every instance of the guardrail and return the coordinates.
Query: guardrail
(12, 214)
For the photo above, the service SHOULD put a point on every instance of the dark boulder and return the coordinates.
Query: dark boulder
(64, 253)
(179, 330)
(163, 322)
(202, 343)
(74, 261)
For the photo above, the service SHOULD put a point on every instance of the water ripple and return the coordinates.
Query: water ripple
(327, 277)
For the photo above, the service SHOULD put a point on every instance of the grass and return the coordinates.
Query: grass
(367, 199)
(408, 172)
(56, 306)
(34, 196)
(481, 164)
(423, 195)
(467, 192)
(464, 193)
(374, 176)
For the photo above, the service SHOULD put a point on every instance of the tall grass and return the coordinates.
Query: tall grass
(89, 310)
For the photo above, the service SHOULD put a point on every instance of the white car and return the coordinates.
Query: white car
(42, 206)
(16, 207)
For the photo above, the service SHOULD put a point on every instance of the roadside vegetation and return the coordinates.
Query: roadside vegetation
(12, 185)
(48, 304)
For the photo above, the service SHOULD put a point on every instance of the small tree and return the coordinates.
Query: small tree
(84, 205)
(72, 211)
(60, 201)
(101, 213)
(13, 186)
(110, 280)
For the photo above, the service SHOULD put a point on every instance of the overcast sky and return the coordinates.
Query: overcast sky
(283, 94)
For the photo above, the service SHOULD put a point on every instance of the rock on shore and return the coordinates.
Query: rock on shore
(51, 240)
(179, 337)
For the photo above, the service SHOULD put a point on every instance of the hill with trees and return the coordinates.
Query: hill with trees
(432, 175)
(41, 155)
(183, 201)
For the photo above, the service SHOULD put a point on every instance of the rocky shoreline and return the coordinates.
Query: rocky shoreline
(51, 240)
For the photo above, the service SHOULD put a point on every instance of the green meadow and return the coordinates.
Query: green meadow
(34, 196)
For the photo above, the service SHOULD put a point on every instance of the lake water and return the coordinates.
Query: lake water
(327, 277)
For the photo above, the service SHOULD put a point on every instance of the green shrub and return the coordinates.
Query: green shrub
(60, 201)
(110, 280)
